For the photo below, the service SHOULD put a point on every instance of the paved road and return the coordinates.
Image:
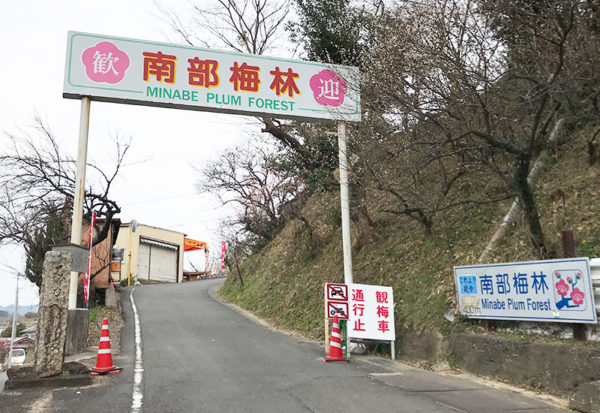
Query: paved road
(201, 356)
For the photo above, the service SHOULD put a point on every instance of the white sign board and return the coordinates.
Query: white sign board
(371, 312)
(553, 290)
(121, 70)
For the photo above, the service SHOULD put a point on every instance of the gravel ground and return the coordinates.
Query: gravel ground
(115, 322)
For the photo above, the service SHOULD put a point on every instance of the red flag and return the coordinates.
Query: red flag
(86, 277)
(224, 246)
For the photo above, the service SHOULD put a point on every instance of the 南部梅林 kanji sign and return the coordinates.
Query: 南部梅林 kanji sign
(552, 290)
(124, 70)
(371, 310)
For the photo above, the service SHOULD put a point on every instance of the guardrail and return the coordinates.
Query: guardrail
(595, 274)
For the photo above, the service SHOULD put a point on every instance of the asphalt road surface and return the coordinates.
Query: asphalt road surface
(199, 355)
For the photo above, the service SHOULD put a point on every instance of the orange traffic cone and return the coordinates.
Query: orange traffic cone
(335, 345)
(104, 362)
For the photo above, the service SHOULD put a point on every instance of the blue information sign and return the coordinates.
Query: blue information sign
(552, 290)
(468, 284)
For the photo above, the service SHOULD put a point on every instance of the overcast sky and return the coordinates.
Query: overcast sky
(158, 186)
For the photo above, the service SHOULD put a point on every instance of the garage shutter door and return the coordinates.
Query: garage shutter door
(161, 259)
(143, 262)
(163, 264)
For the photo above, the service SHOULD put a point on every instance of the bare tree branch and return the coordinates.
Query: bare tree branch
(37, 178)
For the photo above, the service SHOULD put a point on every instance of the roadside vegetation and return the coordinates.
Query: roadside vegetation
(284, 281)
(37, 179)
(115, 322)
(467, 107)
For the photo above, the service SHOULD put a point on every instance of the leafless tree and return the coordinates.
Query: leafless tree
(246, 178)
(37, 178)
(480, 83)
(237, 249)
(246, 26)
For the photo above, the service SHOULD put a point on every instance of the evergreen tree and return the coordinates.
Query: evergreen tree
(332, 31)
(36, 245)
(7, 332)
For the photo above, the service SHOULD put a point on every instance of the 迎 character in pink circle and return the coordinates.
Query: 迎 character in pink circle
(105, 62)
(328, 88)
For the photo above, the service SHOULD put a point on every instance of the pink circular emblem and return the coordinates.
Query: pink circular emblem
(105, 62)
(328, 88)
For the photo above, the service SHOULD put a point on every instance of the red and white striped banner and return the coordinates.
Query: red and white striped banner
(86, 277)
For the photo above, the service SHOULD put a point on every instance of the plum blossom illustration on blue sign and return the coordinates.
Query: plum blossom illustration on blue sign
(568, 296)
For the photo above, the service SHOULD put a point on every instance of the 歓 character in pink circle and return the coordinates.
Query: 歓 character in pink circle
(105, 62)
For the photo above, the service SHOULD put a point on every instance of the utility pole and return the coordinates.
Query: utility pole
(14, 324)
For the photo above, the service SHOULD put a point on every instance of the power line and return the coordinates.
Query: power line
(11, 269)
(192, 222)
(160, 199)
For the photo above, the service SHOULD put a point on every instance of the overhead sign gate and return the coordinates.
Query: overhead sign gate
(140, 72)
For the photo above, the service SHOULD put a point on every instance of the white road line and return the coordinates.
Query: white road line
(451, 407)
(136, 403)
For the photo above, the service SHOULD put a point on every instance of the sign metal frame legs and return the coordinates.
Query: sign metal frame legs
(345, 212)
(78, 195)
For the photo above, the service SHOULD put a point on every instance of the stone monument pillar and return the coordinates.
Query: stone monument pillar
(52, 313)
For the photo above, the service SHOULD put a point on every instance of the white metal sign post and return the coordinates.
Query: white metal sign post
(345, 203)
(78, 196)
(122, 70)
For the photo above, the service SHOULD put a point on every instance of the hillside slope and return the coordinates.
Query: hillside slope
(284, 282)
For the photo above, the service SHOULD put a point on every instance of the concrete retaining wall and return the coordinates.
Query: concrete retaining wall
(554, 368)
(427, 345)
(566, 370)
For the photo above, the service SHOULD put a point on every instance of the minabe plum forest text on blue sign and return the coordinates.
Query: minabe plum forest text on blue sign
(554, 290)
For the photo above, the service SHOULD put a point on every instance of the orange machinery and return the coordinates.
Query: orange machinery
(192, 245)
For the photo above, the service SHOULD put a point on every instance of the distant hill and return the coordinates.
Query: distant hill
(22, 308)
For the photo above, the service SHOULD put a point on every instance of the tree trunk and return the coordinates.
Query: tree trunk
(538, 240)
(592, 148)
(534, 174)
(427, 225)
(237, 267)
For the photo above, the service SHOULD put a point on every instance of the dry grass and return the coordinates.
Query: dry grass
(284, 282)
(115, 322)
